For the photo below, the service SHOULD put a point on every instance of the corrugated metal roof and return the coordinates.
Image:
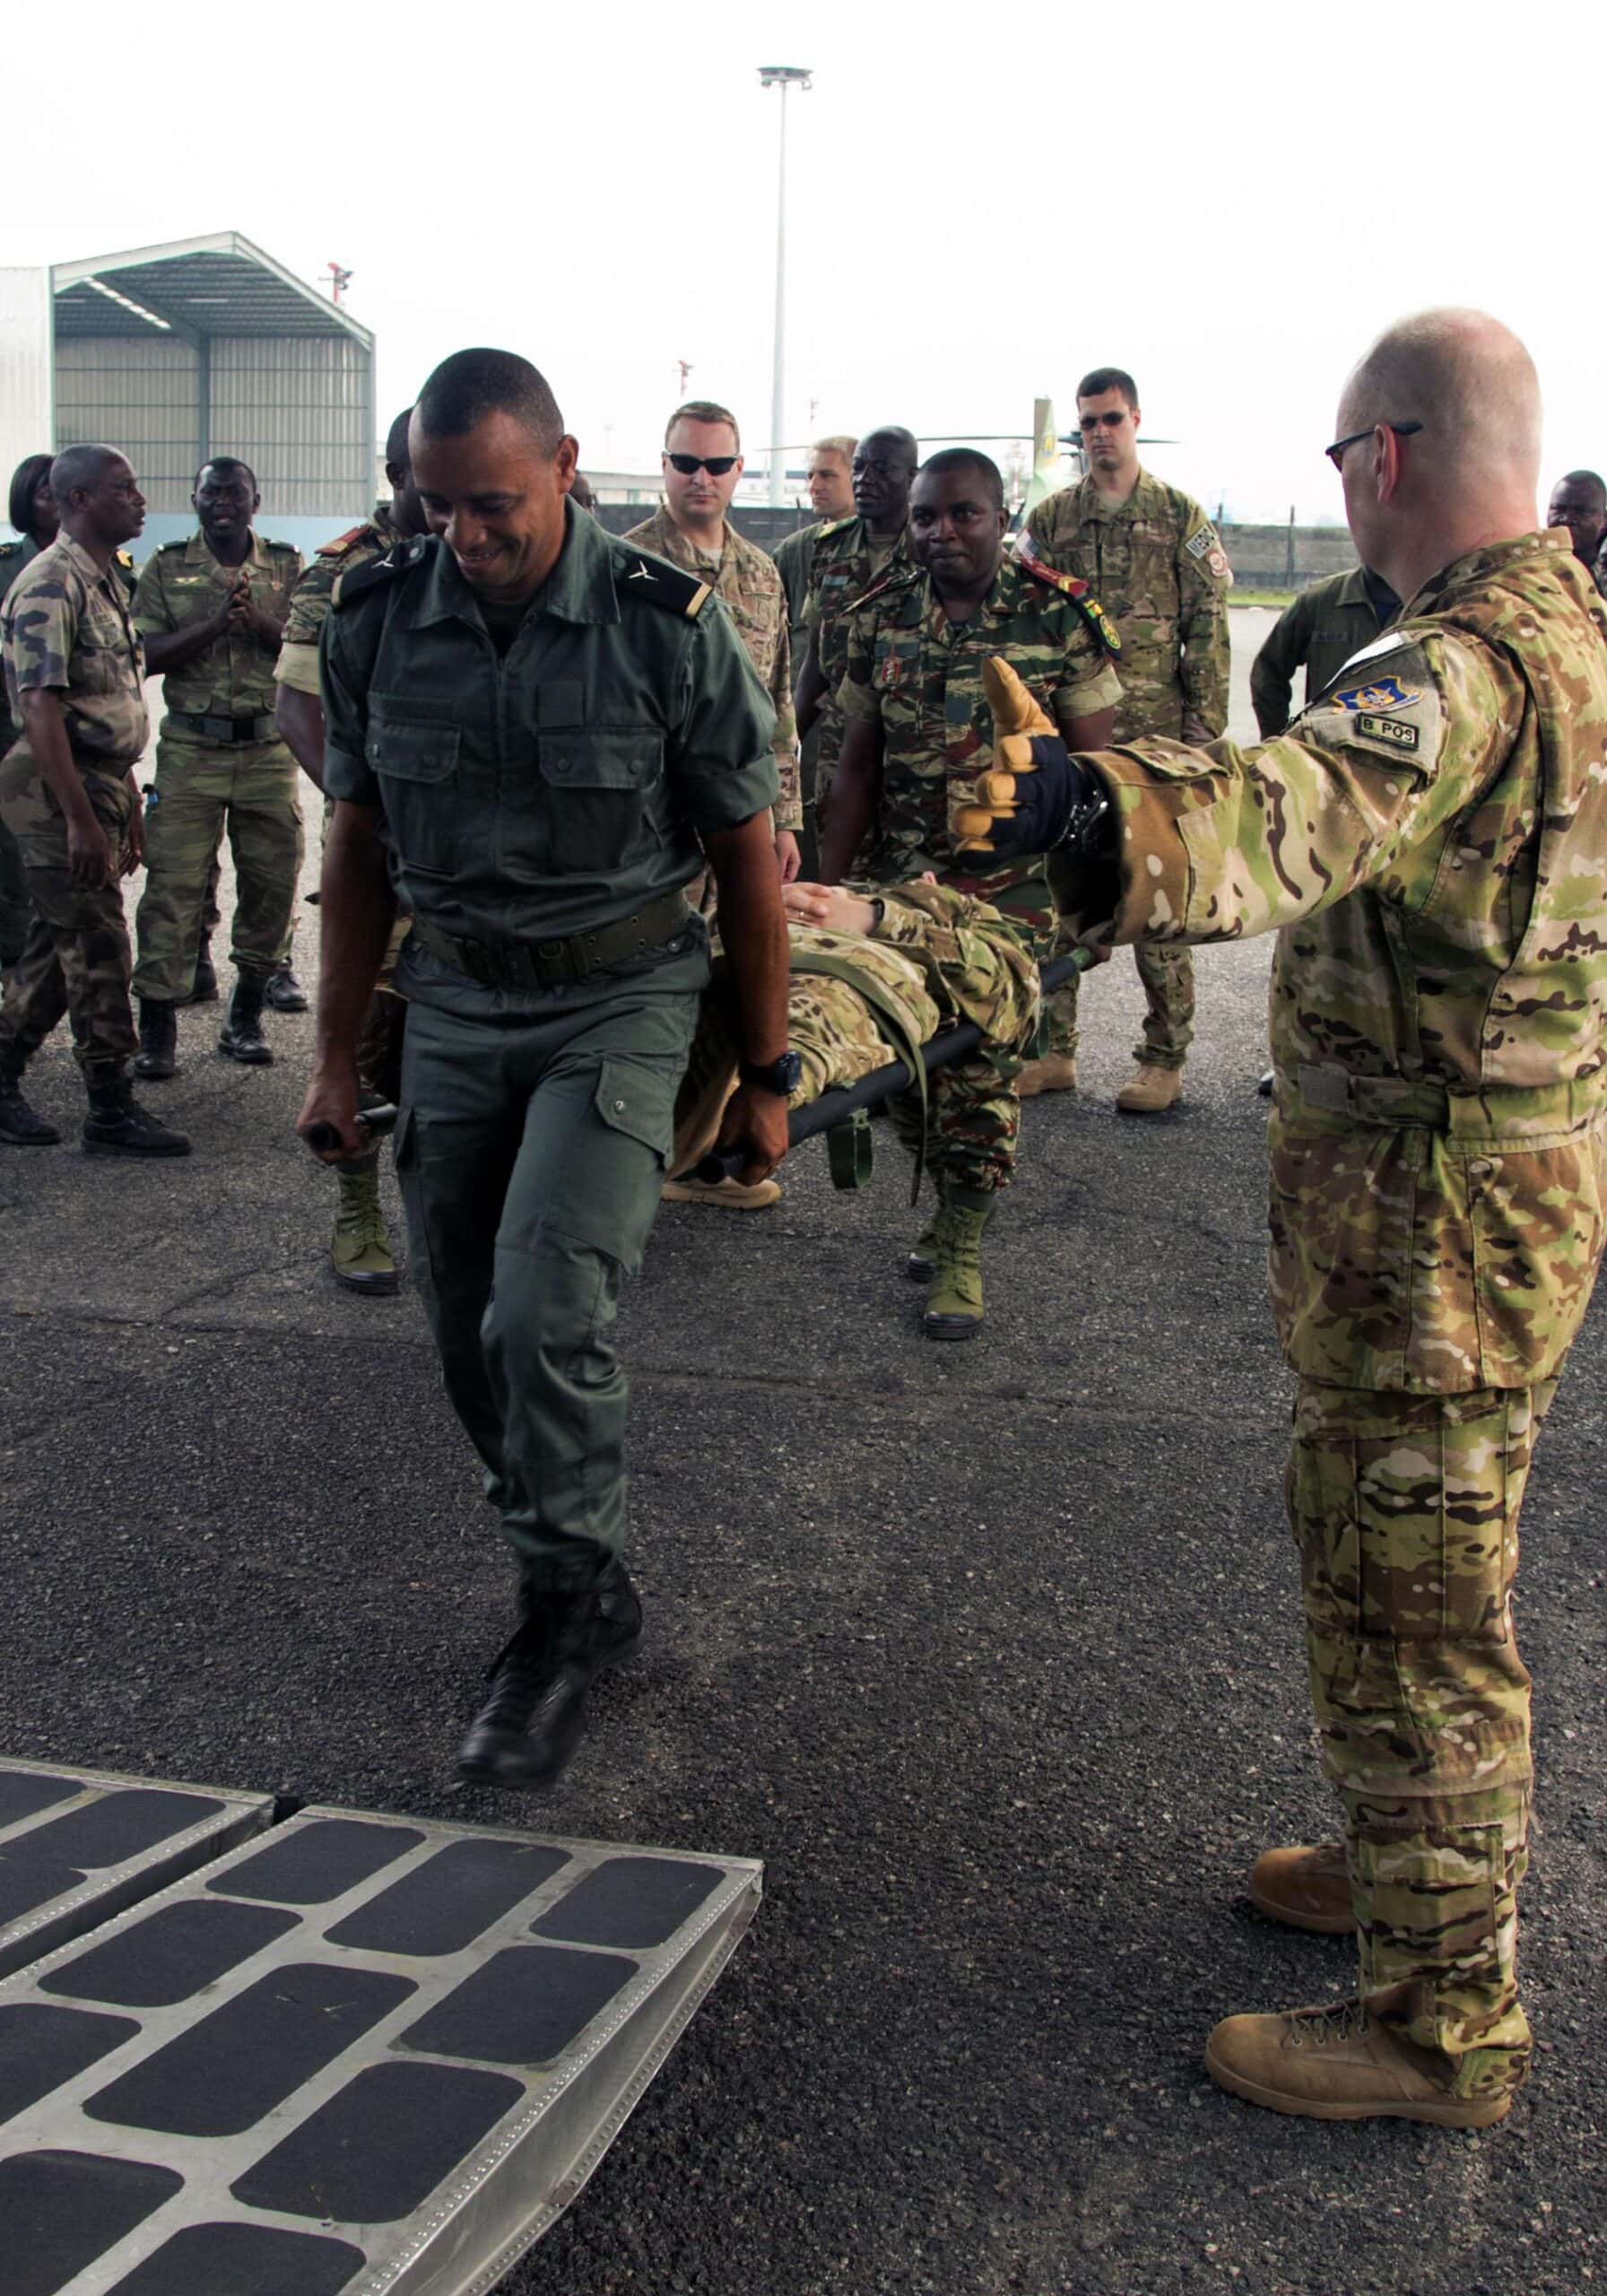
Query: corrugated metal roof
(218, 285)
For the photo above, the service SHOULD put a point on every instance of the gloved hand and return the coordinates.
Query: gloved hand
(1038, 794)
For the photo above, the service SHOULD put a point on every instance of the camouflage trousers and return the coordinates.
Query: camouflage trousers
(15, 912)
(973, 1116)
(202, 788)
(75, 958)
(1167, 970)
(1405, 1511)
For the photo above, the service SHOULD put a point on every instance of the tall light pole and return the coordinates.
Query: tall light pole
(783, 77)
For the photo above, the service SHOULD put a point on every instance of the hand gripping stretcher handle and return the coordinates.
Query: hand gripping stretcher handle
(836, 1107)
(376, 1122)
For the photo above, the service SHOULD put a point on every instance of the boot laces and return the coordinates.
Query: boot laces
(1321, 2027)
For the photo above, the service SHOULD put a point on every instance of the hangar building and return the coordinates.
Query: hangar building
(201, 347)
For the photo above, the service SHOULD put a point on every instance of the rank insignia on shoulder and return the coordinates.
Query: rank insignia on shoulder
(1394, 731)
(397, 560)
(342, 542)
(895, 577)
(1071, 586)
(670, 588)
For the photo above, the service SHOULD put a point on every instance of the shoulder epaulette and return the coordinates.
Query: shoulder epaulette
(399, 559)
(165, 549)
(893, 577)
(835, 525)
(343, 542)
(655, 582)
(1081, 595)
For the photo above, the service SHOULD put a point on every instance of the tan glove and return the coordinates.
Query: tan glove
(1017, 717)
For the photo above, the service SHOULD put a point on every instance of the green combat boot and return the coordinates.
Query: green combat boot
(360, 1250)
(954, 1307)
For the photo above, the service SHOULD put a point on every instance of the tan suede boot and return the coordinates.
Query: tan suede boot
(1309, 1888)
(1149, 1091)
(1339, 2064)
(725, 1195)
(1056, 1072)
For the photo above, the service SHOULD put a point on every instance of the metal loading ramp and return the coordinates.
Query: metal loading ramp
(76, 1846)
(360, 2055)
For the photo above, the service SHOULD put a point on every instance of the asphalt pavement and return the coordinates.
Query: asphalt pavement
(990, 1652)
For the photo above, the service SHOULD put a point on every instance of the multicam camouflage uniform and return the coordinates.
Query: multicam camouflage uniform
(68, 630)
(1428, 836)
(243, 778)
(744, 578)
(379, 1047)
(846, 563)
(918, 675)
(1157, 568)
(936, 956)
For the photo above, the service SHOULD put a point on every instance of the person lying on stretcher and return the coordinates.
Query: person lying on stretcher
(873, 977)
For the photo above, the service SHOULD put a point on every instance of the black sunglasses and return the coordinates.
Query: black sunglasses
(1336, 452)
(1112, 421)
(717, 466)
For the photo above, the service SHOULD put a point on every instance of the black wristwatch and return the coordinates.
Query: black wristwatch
(779, 1076)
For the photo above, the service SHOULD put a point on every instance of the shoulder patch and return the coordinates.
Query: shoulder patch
(655, 582)
(1204, 546)
(400, 560)
(1069, 586)
(342, 542)
(1397, 715)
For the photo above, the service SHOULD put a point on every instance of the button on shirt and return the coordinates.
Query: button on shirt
(555, 789)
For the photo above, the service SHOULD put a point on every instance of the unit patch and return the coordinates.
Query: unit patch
(1396, 731)
(1198, 544)
(1383, 693)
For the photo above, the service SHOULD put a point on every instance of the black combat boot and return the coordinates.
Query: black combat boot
(284, 992)
(241, 1037)
(19, 1126)
(205, 990)
(116, 1125)
(158, 1055)
(527, 1730)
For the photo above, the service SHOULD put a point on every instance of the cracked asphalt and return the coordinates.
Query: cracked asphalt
(990, 1652)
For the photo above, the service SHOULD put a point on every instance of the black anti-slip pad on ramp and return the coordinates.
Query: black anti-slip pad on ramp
(366, 2055)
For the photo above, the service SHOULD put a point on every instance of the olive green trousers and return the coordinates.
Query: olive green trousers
(530, 1153)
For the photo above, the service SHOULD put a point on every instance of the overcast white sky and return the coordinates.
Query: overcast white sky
(1228, 201)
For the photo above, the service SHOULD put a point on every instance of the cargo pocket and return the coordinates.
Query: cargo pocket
(417, 768)
(613, 1175)
(605, 793)
(1437, 1543)
(1320, 1489)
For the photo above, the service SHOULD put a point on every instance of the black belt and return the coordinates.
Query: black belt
(223, 729)
(538, 964)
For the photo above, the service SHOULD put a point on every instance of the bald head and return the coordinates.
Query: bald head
(1446, 406)
(1471, 384)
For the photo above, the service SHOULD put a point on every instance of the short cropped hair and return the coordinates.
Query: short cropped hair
(470, 384)
(226, 465)
(395, 441)
(967, 458)
(841, 445)
(1591, 478)
(79, 466)
(703, 410)
(1100, 379)
(24, 485)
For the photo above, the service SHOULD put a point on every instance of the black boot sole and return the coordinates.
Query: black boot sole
(919, 1268)
(48, 1138)
(256, 1055)
(951, 1326)
(370, 1285)
(154, 1072)
(128, 1148)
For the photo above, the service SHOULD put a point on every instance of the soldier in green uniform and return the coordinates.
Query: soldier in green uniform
(1426, 839)
(75, 681)
(1318, 633)
(360, 1250)
(920, 730)
(212, 612)
(846, 560)
(548, 732)
(1155, 562)
(1579, 502)
(702, 463)
(31, 509)
(831, 498)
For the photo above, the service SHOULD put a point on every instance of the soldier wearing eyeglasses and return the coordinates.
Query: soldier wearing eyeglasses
(702, 461)
(1157, 566)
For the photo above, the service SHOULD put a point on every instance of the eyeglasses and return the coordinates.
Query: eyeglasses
(1111, 422)
(1336, 452)
(717, 466)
